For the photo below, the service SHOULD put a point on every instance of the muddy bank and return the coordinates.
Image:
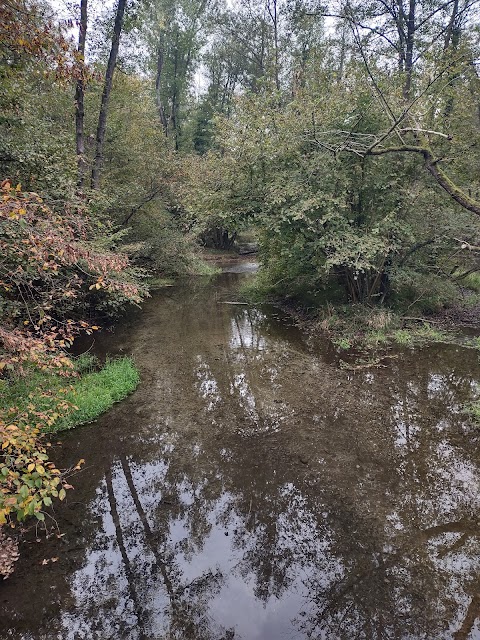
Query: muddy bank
(250, 488)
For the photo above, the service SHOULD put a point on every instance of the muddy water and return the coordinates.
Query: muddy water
(253, 489)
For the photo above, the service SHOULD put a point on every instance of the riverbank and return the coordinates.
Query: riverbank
(74, 400)
(362, 327)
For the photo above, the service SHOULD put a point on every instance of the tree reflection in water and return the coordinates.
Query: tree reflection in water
(252, 489)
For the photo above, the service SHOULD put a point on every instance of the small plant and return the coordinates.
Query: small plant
(380, 319)
(403, 337)
(427, 333)
(474, 410)
(86, 363)
(376, 338)
(342, 343)
(472, 281)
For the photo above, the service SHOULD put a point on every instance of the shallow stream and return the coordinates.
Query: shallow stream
(252, 489)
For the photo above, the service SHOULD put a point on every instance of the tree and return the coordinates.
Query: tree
(107, 88)
(172, 32)
(424, 37)
(80, 95)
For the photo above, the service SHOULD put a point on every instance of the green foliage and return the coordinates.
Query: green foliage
(472, 281)
(403, 337)
(82, 398)
(473, 409)
(374, 328)
(28, 480)
(422, 290)
(346, 226)
(342, 343)
(53, 268)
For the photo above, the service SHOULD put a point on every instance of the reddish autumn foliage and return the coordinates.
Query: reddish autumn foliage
(52, 269)
(8, 555)
(27, 34)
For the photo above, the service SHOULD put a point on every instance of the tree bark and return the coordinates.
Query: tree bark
(410, 42)
(79, 97)
(107, 88)
(452, 40)
(272, 10)
(175, 88)
(158, 87)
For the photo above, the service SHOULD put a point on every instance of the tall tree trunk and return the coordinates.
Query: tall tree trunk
(107, 88)
(452, 40)
(410, 42)
(158, 87)
(174, 113)
(398, 14)
(272, 10)
(343, 46)
(453, 30)
(79, 97)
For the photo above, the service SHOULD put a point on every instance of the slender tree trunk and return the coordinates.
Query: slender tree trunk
(452, 40)
(452, 36)
(79, 97)
(343, 46)
(272, 10)
(158, 87)
(174, 114)
(107, 88)
(409, 50)
(398, 14)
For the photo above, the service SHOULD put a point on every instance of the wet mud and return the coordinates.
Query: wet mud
(252, 489)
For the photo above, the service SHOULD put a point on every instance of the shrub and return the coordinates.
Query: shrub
(28, 479)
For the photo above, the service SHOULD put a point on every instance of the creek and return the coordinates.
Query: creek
(253, 489)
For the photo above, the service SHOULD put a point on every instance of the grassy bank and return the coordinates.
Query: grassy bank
(365, 327)
(72, 401)
(372, 328)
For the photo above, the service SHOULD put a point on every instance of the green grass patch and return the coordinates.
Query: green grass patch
(472, 281)
(407, 336)
(342, 343)
(403, 337)
(474, 411)
(92, 393)
(366, 328)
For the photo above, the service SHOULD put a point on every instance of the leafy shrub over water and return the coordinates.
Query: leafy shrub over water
(28, 479)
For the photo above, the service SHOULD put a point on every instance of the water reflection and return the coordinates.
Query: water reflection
(251, 489)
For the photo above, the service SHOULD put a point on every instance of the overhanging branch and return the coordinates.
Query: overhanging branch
(432, 165)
